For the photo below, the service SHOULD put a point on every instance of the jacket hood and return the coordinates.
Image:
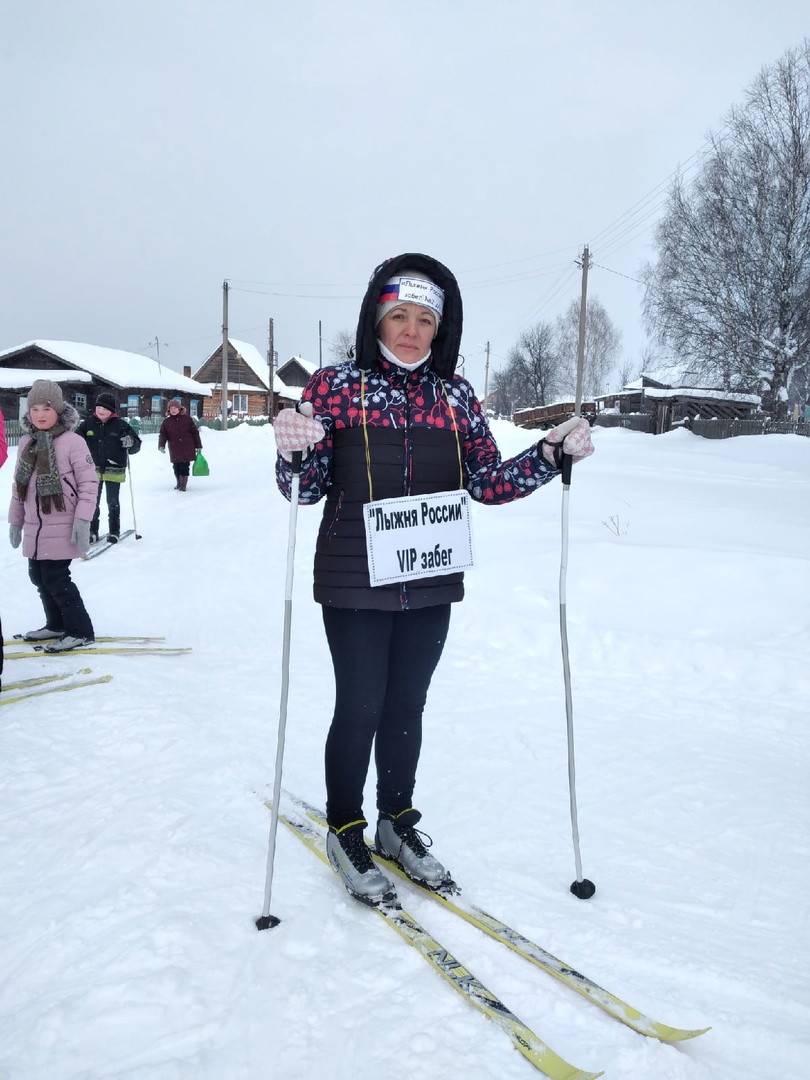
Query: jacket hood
(446, 344)
(68, 417)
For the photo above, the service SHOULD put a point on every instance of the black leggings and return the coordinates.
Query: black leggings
(383, 661)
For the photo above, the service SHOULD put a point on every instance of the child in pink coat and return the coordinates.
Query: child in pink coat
(52, 504)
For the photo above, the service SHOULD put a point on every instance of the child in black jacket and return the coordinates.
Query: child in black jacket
(110, 439)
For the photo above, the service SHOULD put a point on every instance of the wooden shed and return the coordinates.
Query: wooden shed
(546, 416)
(668, 404)
(248, 381)
(289, 380)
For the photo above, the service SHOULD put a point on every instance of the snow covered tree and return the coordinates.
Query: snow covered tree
(627, 371)
(340, 346)
(730, 291)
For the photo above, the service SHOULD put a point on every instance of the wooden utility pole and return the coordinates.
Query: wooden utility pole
(486, 380)
(586, 261)
(224, 380)
(320, 344)
(271, 367)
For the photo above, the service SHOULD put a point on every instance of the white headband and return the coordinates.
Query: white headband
(405, 289)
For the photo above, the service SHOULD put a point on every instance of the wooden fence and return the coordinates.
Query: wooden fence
(727, 429)
(13, 432)
(707, 429)
(632, 421)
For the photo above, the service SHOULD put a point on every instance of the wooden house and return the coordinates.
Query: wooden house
(248, 391)
(289, 380)
(674, 403)
(140, 385)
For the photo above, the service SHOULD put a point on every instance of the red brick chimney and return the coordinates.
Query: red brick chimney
(187, 371)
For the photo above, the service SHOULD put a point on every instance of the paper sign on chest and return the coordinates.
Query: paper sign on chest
(418, 536)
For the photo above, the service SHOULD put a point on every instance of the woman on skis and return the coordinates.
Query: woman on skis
(396, 420)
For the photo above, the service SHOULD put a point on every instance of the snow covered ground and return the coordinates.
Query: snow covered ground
(133, 842)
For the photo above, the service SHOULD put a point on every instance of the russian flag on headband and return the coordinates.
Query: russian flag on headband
(391, 293)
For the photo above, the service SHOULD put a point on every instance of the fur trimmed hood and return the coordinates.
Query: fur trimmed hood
(446, 344)
(69, 418)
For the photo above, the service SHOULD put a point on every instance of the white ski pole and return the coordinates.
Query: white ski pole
(582, 888)
(132, 500)
(266, 920)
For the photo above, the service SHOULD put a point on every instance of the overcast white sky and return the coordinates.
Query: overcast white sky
(151, 150)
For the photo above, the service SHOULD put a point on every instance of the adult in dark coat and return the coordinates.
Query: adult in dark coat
(182, 435)
(396, 420)
(111, 440)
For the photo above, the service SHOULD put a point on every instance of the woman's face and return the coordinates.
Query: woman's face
(407, 331)
(43, 417)
(173, 410)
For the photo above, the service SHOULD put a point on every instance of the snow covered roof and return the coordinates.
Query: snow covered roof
(122, 369)
(306, 364)
(23, 378)
(254, 360)
(292, 393)
(670, 375)
(684, 393)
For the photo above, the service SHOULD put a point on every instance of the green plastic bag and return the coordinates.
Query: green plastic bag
(200, 466)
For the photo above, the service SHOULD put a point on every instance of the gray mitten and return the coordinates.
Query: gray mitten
(15, 535)
(127, 441)
(81, 535)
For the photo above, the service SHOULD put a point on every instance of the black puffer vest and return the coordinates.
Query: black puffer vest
(418, 462)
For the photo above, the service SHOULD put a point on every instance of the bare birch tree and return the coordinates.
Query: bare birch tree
(730, 291)
(532, 372)
(602, 343)
(341, 346)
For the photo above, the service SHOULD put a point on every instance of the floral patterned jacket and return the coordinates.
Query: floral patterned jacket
(422, 434)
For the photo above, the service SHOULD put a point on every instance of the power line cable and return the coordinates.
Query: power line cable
(618, 273)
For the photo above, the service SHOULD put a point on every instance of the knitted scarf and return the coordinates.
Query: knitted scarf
(39, 454)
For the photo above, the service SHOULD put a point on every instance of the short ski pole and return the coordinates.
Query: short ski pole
(132, 499)
(266, 920)
(582, 887)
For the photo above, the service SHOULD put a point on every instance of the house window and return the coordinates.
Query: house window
(194, 408)
(240, 403)
(157, 405)
(81, 402)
